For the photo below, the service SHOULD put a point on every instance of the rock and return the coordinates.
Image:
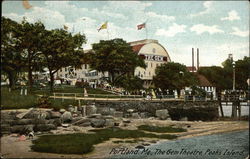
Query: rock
(62, 111)
(91, 110)
(81, 121)
(136, 116)
(108, 117)
(184, 119)
(116, 124)
(98, 116)
(144, 115)
(71, 108)
(66, 117)
(162, 114)
(85, 124)
(23, 122)
(97, 123)
(22, 129)
(126, 121)
(130, 110)
(54, 114)
(118, 114)
(21, 115)
(57, 122)
(65, 125)
(103, 110)
(74, 115)
(112, 111)
(44, 127)
(75, 109)
(76, 119)
(109, 122)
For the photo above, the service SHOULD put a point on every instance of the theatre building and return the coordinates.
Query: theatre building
(153, 53)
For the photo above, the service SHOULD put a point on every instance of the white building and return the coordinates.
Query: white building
(150, 50)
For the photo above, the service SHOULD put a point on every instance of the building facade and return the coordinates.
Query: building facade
(153, 53)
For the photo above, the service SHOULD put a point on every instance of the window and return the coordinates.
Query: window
(149, 73)
(65, 69)
(66, 75)
(151, 64)
(146, 64)
(60, 70)
(86, 66)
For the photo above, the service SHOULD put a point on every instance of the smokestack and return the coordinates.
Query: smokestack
(197, 59)
(192, 60)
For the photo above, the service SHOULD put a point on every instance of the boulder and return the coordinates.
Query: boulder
(76, 119)
(44, 127)
(62, 111)
(103, 110)
(162, 114)
(23, 122)
(109, 122)
(130, 110)
(21, 115)
(144, 115)
(118, 114)
(97, 123)
(66, 117)
(71, 108)
(91, 109)
(184, 119)
(136, 116)
(57, 122)
(85, 124)
(54, 114)
(22, 129)
(81, 121)
(98, 116)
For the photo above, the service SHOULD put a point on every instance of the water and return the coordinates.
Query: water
(227, 109)
(233, 145)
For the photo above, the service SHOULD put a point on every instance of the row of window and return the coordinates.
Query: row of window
(85, 66)
(151, 64)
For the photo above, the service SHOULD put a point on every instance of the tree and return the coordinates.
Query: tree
(218, 76)
(242, 73)
(130, 83)
(116, 57)
(173, 76)
(61, 49)
(11, 58)
(31, 43)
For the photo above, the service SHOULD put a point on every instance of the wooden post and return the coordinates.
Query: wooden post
(79, 102)
(239, 110)
(221, 109)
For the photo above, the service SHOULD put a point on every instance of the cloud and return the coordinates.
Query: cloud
(232, 15)
(161, 17)
(208, 7)
(172, 30)
(201, 28)
(240, 33)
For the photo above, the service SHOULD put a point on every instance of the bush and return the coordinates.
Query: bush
(82, 84)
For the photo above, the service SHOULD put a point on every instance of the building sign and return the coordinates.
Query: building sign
(154, 57)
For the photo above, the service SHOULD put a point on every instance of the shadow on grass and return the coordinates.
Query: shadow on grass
(83, 143)
(167, 129)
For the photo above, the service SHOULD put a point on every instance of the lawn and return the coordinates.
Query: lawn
(13, 100)
(158, 129)
(84, 143)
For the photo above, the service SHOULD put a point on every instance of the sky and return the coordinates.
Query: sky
(217, 28)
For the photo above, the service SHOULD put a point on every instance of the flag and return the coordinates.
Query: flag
(104, 26)
(26, 4)
(140, 26)
(65, 27)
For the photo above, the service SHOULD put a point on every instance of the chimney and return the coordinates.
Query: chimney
(192, 60)
(197, 59)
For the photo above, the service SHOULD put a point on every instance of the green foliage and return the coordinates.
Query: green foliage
(116, 57)
(130, 83)
(13, 99)
(173, 76)
(222, 77)
(82, 84)
(11, 58)
(167, 129)
(84, 143)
